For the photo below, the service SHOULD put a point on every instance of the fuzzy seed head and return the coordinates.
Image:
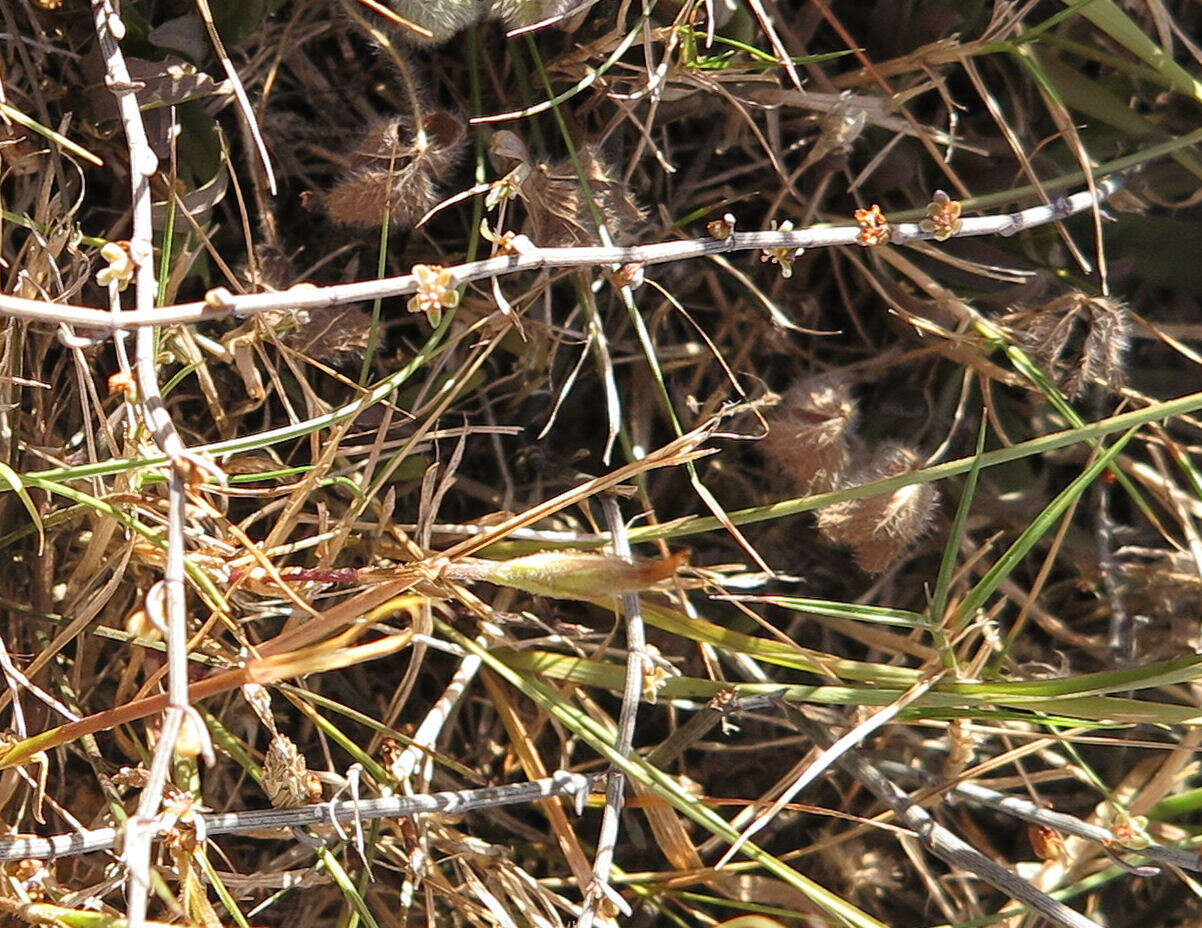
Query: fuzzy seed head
(810, 432)
(880, 528)
(519, 13)
(443, 18)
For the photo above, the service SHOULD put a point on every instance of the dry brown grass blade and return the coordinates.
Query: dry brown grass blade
(263, 670)
(528, 756)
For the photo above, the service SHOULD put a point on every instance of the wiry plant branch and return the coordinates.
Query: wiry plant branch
(1028, 811)
(142, 166)
(940, 841)
(220, 303)
(456, 802)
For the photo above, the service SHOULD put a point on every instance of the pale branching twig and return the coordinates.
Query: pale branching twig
(941, 842)
(632, 691)
(220, 303)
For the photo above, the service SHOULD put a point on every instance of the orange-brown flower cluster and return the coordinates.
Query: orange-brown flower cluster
(874, 227)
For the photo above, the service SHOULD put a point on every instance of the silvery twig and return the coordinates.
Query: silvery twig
(615, 788)
(941, 842)
(143, 164)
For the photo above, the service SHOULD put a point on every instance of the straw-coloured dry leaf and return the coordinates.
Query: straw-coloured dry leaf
(572, 574)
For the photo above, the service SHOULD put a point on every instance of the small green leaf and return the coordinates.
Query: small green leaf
(10, 476)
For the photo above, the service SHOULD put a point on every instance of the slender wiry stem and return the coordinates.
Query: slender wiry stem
(436, 719)
(220, 302)
(559, 783)
(636, 661)
(824, 761)
(940, 841)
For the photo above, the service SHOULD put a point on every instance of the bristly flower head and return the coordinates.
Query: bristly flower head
(943, 217)
(874, 227)
(1102, 326)
(880, 528)
(810, 433)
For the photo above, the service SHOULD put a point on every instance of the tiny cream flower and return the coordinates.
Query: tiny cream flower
(782, 255)
(435, 292)
(120, 267)
(943, 217)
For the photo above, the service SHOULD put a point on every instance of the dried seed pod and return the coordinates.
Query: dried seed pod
(396, 174)
(880, 528)
(286, 779)
(810, 432)
(1100, 326)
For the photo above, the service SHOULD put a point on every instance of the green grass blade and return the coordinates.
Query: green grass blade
(1042, 524)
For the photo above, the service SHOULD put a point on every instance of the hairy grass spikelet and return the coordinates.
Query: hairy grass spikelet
(571, 574)
(394, 174)
(810, 432)
(880, 528)
(558, 212)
